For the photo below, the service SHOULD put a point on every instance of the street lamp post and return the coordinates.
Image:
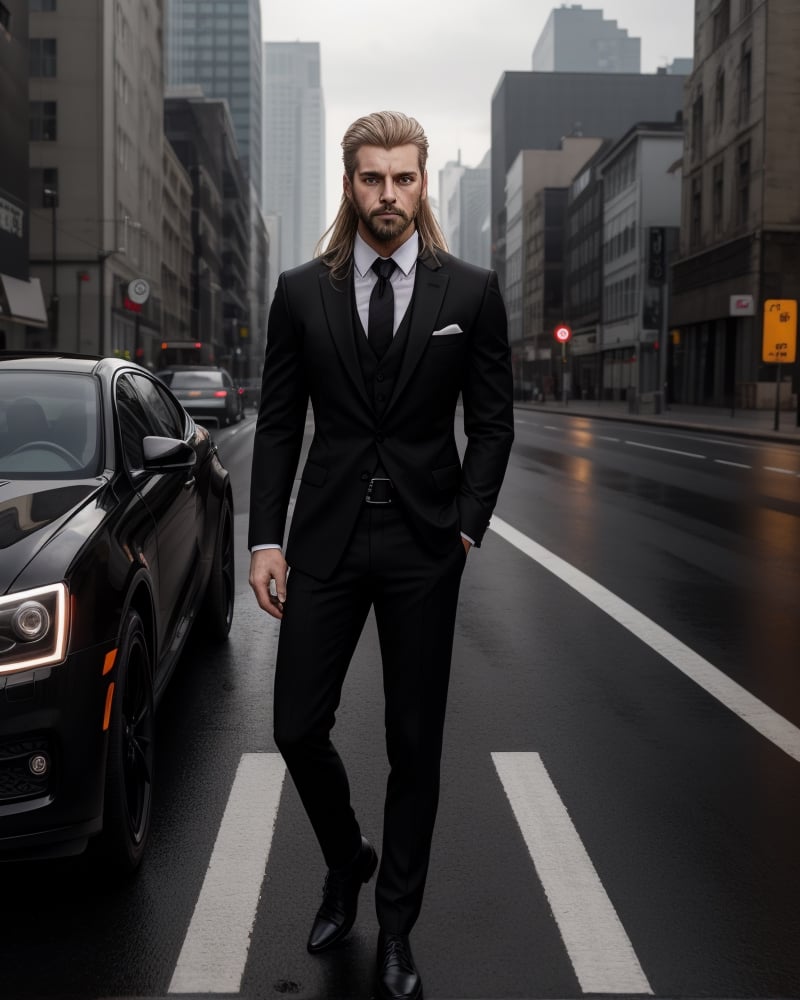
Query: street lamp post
(50, 200)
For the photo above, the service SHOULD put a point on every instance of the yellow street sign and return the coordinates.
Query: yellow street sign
(780, 331)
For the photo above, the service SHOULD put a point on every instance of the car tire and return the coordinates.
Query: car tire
(216, 614)
(128, 798)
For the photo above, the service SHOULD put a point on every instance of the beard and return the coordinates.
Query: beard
(387, 231)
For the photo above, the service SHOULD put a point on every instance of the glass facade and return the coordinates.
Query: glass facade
(216, 44)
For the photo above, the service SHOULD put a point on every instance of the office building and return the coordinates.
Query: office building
(740, 228)
(537, 110)
(216, 44)
(201, 132)
(641, 217)
(536, 187)
(96, 108)
(294, 161)
(21, 301)
(575, 40)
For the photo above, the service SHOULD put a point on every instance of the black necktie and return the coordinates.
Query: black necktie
(381, 307)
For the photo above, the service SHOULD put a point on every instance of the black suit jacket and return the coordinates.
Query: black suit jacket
(312, 355)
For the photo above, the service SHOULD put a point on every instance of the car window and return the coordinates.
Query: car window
(135, 424)
(159, 406)
(196, 380)
(49, 424)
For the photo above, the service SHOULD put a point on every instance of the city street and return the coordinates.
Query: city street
(620, 809)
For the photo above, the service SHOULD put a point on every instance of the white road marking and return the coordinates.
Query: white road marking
(670, 451)
(214, 952)
(750, 709)
(736, 465)
(601, 437)
(783, 472)
(596, 942)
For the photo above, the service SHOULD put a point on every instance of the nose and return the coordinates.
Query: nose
(388, 194)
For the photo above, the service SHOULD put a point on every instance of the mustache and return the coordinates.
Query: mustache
(389, 211)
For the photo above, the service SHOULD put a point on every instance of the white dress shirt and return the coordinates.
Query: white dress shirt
(402, 279)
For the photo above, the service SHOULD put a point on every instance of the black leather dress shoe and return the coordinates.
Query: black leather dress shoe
(398, 978)
(337, 913)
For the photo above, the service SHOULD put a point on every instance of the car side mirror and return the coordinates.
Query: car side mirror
(163, 454)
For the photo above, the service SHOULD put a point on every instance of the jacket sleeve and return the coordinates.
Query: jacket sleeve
(488, 413)
(280, 425)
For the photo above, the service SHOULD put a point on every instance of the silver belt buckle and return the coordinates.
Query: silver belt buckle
(371, 489)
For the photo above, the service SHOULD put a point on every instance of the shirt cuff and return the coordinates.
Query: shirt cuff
(268, 545)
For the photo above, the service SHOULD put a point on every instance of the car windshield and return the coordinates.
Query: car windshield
(196, 380)
(49, 425)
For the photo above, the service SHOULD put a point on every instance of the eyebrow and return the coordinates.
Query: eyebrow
(378, 173)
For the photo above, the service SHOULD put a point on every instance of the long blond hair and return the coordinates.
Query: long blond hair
(385, 129)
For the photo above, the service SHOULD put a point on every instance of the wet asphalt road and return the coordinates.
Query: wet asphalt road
(617, 817)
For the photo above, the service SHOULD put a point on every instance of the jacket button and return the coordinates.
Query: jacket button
(365, 477)
(380, 397)
(379, 438)
(379, 376)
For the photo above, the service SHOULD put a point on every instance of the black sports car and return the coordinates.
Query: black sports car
(116, 540)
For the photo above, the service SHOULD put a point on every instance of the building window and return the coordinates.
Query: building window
(43, 121)
(743, 184)
(5, 17)
(43, 57)
(717, 195)
(721, 21)
(745, 80)
(719, 101)
(697, 127)
(695, 228)
(41, 5)
(42, 178)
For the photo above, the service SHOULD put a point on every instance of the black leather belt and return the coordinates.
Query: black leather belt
(379, 492)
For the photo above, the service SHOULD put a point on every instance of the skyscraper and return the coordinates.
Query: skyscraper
(575, 40)
(293, 189)
(217, 44)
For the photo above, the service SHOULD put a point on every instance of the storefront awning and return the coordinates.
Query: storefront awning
(22, 301)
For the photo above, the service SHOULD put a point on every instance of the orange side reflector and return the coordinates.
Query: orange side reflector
(108, 662)
(109, 699)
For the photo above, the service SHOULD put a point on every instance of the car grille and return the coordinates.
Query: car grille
(17, 781)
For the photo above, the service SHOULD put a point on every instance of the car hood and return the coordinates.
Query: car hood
(31, 513)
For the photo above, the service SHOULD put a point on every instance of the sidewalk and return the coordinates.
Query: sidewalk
(742, 423)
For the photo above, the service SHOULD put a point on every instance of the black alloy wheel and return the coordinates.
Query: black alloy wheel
(216, 615)
(131, 753)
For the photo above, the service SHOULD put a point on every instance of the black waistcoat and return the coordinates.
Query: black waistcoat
(380, 375)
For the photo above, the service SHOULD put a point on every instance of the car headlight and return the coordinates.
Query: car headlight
(33, 628)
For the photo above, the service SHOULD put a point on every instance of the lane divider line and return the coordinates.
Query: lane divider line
(733, 696)
(598, 947)
(214, 952)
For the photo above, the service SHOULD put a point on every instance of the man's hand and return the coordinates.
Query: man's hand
(268, 566)
(466, 543)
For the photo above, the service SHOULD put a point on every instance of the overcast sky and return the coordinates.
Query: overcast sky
(441, 61)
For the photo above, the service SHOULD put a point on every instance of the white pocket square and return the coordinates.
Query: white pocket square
(447, 331)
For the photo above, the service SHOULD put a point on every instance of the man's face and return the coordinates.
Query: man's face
(386, 192)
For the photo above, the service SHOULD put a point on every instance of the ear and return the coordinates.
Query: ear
(423, 196)
(347, 187)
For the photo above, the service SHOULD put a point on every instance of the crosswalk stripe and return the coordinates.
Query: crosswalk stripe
(750, 709)
(214, 952)
(598, 947)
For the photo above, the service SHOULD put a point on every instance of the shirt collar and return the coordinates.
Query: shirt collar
(405, 256)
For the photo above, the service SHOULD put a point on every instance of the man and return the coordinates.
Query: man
(381, 333)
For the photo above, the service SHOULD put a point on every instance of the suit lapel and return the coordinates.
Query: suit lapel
(429, 290)
(338, 306)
